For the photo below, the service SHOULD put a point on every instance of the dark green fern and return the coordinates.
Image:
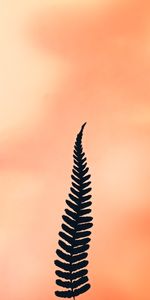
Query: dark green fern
(74, 243)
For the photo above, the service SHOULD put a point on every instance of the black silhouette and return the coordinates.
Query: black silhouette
(74, 241)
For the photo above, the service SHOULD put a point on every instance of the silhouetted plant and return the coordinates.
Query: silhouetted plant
(75, 233)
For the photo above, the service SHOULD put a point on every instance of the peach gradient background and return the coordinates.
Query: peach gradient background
(63, 63)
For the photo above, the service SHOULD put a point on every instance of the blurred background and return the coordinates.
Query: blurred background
(63, 63)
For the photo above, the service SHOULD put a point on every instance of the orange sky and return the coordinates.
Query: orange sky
(64, 63)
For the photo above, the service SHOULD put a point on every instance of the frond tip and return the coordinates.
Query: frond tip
(74, 236)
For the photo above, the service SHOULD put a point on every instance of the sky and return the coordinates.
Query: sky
(63, 63)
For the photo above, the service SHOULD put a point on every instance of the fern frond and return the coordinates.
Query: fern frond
(74, 243)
